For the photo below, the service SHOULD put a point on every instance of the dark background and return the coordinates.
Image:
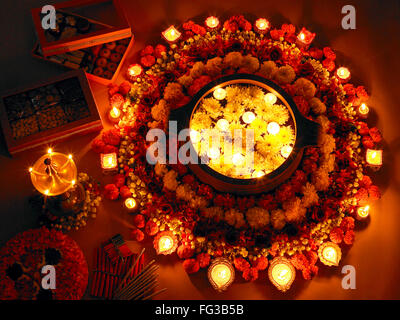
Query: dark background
(372, 54)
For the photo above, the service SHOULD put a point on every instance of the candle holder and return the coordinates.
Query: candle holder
(114, 115)
(109, 162)
(281, 273)
(212, 23)
(131, 205)
(171, 34)
(304, 38)
(363, 212)
(134, 71)
(343, 74)
(165, 243)
(363, 111)
(374, 158)
(221, 274)
(329, 254)
(262, 25)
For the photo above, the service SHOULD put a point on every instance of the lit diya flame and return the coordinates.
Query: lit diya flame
(130, 203)
(108, 160)
(270, 99)
(221, 274)
(330, 254)
(363, 109)
(262, 25)
(114, 114)
(165, 243)
(363, 212)
(135, 70)
(374, 157)
(281, 273)
(343, 73)
(258, 174)
(223, 124)
(171, 34)
(286, 151)
(212, 22)
(219, 94)
(273, 128)
(305, 37)
(248, 117)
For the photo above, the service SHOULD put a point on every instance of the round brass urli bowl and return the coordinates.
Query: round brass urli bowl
(306, 134)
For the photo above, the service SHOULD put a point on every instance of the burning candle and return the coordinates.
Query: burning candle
(165, 243)
(262, 25)
(286, 151)
(195, 136)
(258, 174)
(363, 212)
(213, 153)
(237, 159)
(171, 34)
(273, 128)
(248, 117)
(363, 111)
(304, 38)
(212, 22)
(130, 204)
(374, 157)
(330, 254)
(223, 124)
(221, 274)
(114, 115)
(134, 71)
(343, 73)
(270, 99)
(219, 94)
(108, 161)
(281, 273)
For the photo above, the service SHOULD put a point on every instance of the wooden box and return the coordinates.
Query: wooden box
(49, 111)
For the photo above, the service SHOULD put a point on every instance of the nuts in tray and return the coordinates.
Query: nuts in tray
(46, 107)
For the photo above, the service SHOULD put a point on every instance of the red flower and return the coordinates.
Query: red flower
(349, 89)
(117, 100)
(260, 263)
(364, 130)
(98, 145)
(151, 228)
(299, 261)
(302, 104)
(139, 221)
(310, 272)
(374, 193)
(148, 50)
(198, 84)
(250, 274)
(111, 137)
(347, 223)
(159, 50)
(284, 192)
(125, 192)
(365, 181)
(362, 93)
(148, 61)
(329, 54)
(329, 64)
(375, 134)
(203, 259)
(184, 251)
(349, 237)
(312, 257)
(241, 264)
(112, 89)
(267, 201)
(276, 34)
(111, 191)
(336, 235)
(362, 195)
(137, 235)
(110, 149)
(191, 266)
(124, 88)
(367, 142)
(119, 180)
(288, 28)
(316, 53)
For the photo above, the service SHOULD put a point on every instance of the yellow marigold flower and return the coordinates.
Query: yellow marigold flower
(257, 217)
(317, 106)
(268, 69)
(214, 66)
(197, 70)
(233, 60)
(285, 75)
(278, 219)
(304, 87)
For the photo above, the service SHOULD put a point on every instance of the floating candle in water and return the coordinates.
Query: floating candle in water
(223, 124)
(219, 94)
(213, 153)
(363, 212)
(195, 136)
(171, 34)
(286, 151)
(329, 253)
(281, 273)
(262, 25)
(374, 157)
(237, 159)
(221, 274)
(343, 73)
(258, 174)
(212, 22)
(248, 117)
(273, 128)
(270, 98)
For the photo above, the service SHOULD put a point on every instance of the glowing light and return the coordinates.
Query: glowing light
(195, 136)
(258, 174)
(213, 153)
(46, 192)
(363, 109)
(134, 71)
(49, 150)
(171, 34)
(212, 22)
(281, 273)
(223, 124)
(70, 156)
(108, 161)
(30, 169)
(273, 128)
(221, 274)
(304, 38)
(374, 157)
(130, 203)
(286, 151)
(114, 114)
(343, 73)
(248, 117)
(330, 254)
(219, 94)
(237, 159)
(73, 182)
(262, 25)
(363, 212)
(270, 98)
